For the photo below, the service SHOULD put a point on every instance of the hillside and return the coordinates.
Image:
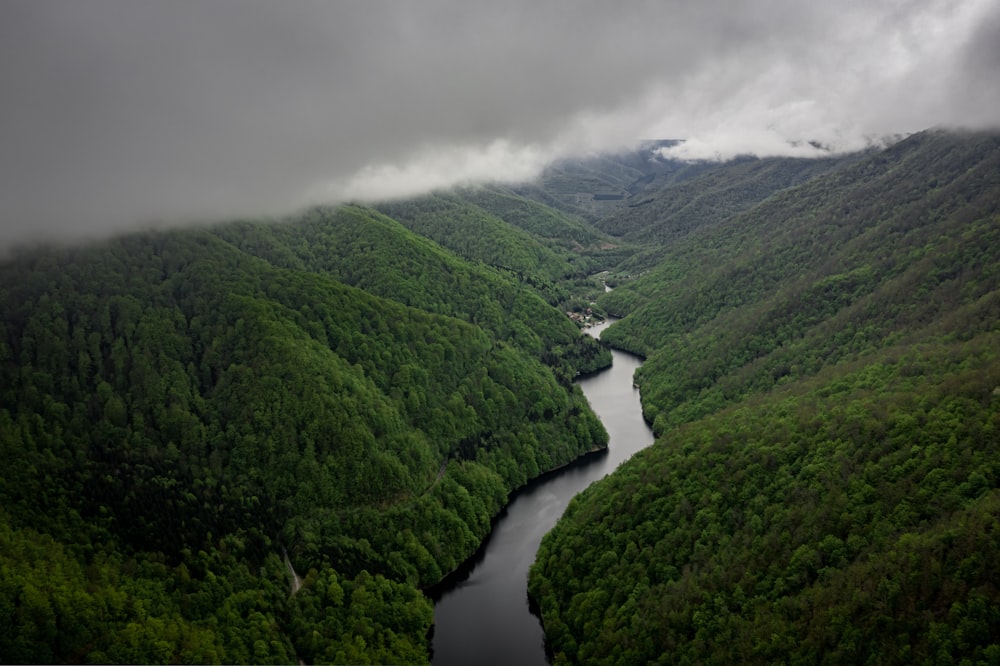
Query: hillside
(180, 409)
(478, 235)
(836, 267)
(661, 215)
(645, 202)
(536, 244)
(822, 375)
(363, 248)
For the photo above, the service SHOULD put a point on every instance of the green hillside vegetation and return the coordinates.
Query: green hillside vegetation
(475, 234)
(662, 200)
(851, 519)
(589, 251)
(658, 219)
(839, 266)
(709, 195)
(176, 412)
(363, 248)
(823, 376)
(553, 227)
(538, 245)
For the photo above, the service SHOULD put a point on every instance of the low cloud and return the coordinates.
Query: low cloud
(119, 114)
(437, 167)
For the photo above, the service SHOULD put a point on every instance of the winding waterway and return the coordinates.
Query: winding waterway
(482, 617)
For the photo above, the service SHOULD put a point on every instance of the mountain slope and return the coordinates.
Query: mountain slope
(655, 220)
(823, 374)
(365, 249)
(176, 412)
(645, 202)
(540, 246)
(830, 268)
(476, 234)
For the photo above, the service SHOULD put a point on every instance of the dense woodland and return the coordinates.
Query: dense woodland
(181, 409)
(189, 416)
(823, 376)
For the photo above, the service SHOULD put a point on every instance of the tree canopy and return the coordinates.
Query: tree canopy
(180, 408)
(823, 376)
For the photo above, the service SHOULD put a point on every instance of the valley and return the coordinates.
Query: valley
(349, 398)
(483, 615)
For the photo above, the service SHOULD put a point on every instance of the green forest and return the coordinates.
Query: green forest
(181, 409)
(823, 377)
(261, 441)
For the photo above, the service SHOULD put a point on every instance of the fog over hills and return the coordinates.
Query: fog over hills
(119, 114)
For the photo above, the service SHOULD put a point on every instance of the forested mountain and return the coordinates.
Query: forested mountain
(553, 227)
(646, 202)
(537, 244)
(823, 376)
(188, 416)
(180, 409)
(362, 248)
(872, 253)
(659, 216)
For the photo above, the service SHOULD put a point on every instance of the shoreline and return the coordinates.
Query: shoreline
(434, 591)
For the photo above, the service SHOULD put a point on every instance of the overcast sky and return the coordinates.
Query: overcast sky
(116, 114)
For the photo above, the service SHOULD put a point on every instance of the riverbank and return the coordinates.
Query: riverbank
(462, 572)
(482, 611)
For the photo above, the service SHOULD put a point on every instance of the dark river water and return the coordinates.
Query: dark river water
(482, 617)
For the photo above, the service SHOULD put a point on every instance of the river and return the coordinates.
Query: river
(482, 617)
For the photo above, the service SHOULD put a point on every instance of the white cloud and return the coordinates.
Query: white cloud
(117, 113)
(436, 167)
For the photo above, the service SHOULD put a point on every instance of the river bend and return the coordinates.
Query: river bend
(482, 617)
